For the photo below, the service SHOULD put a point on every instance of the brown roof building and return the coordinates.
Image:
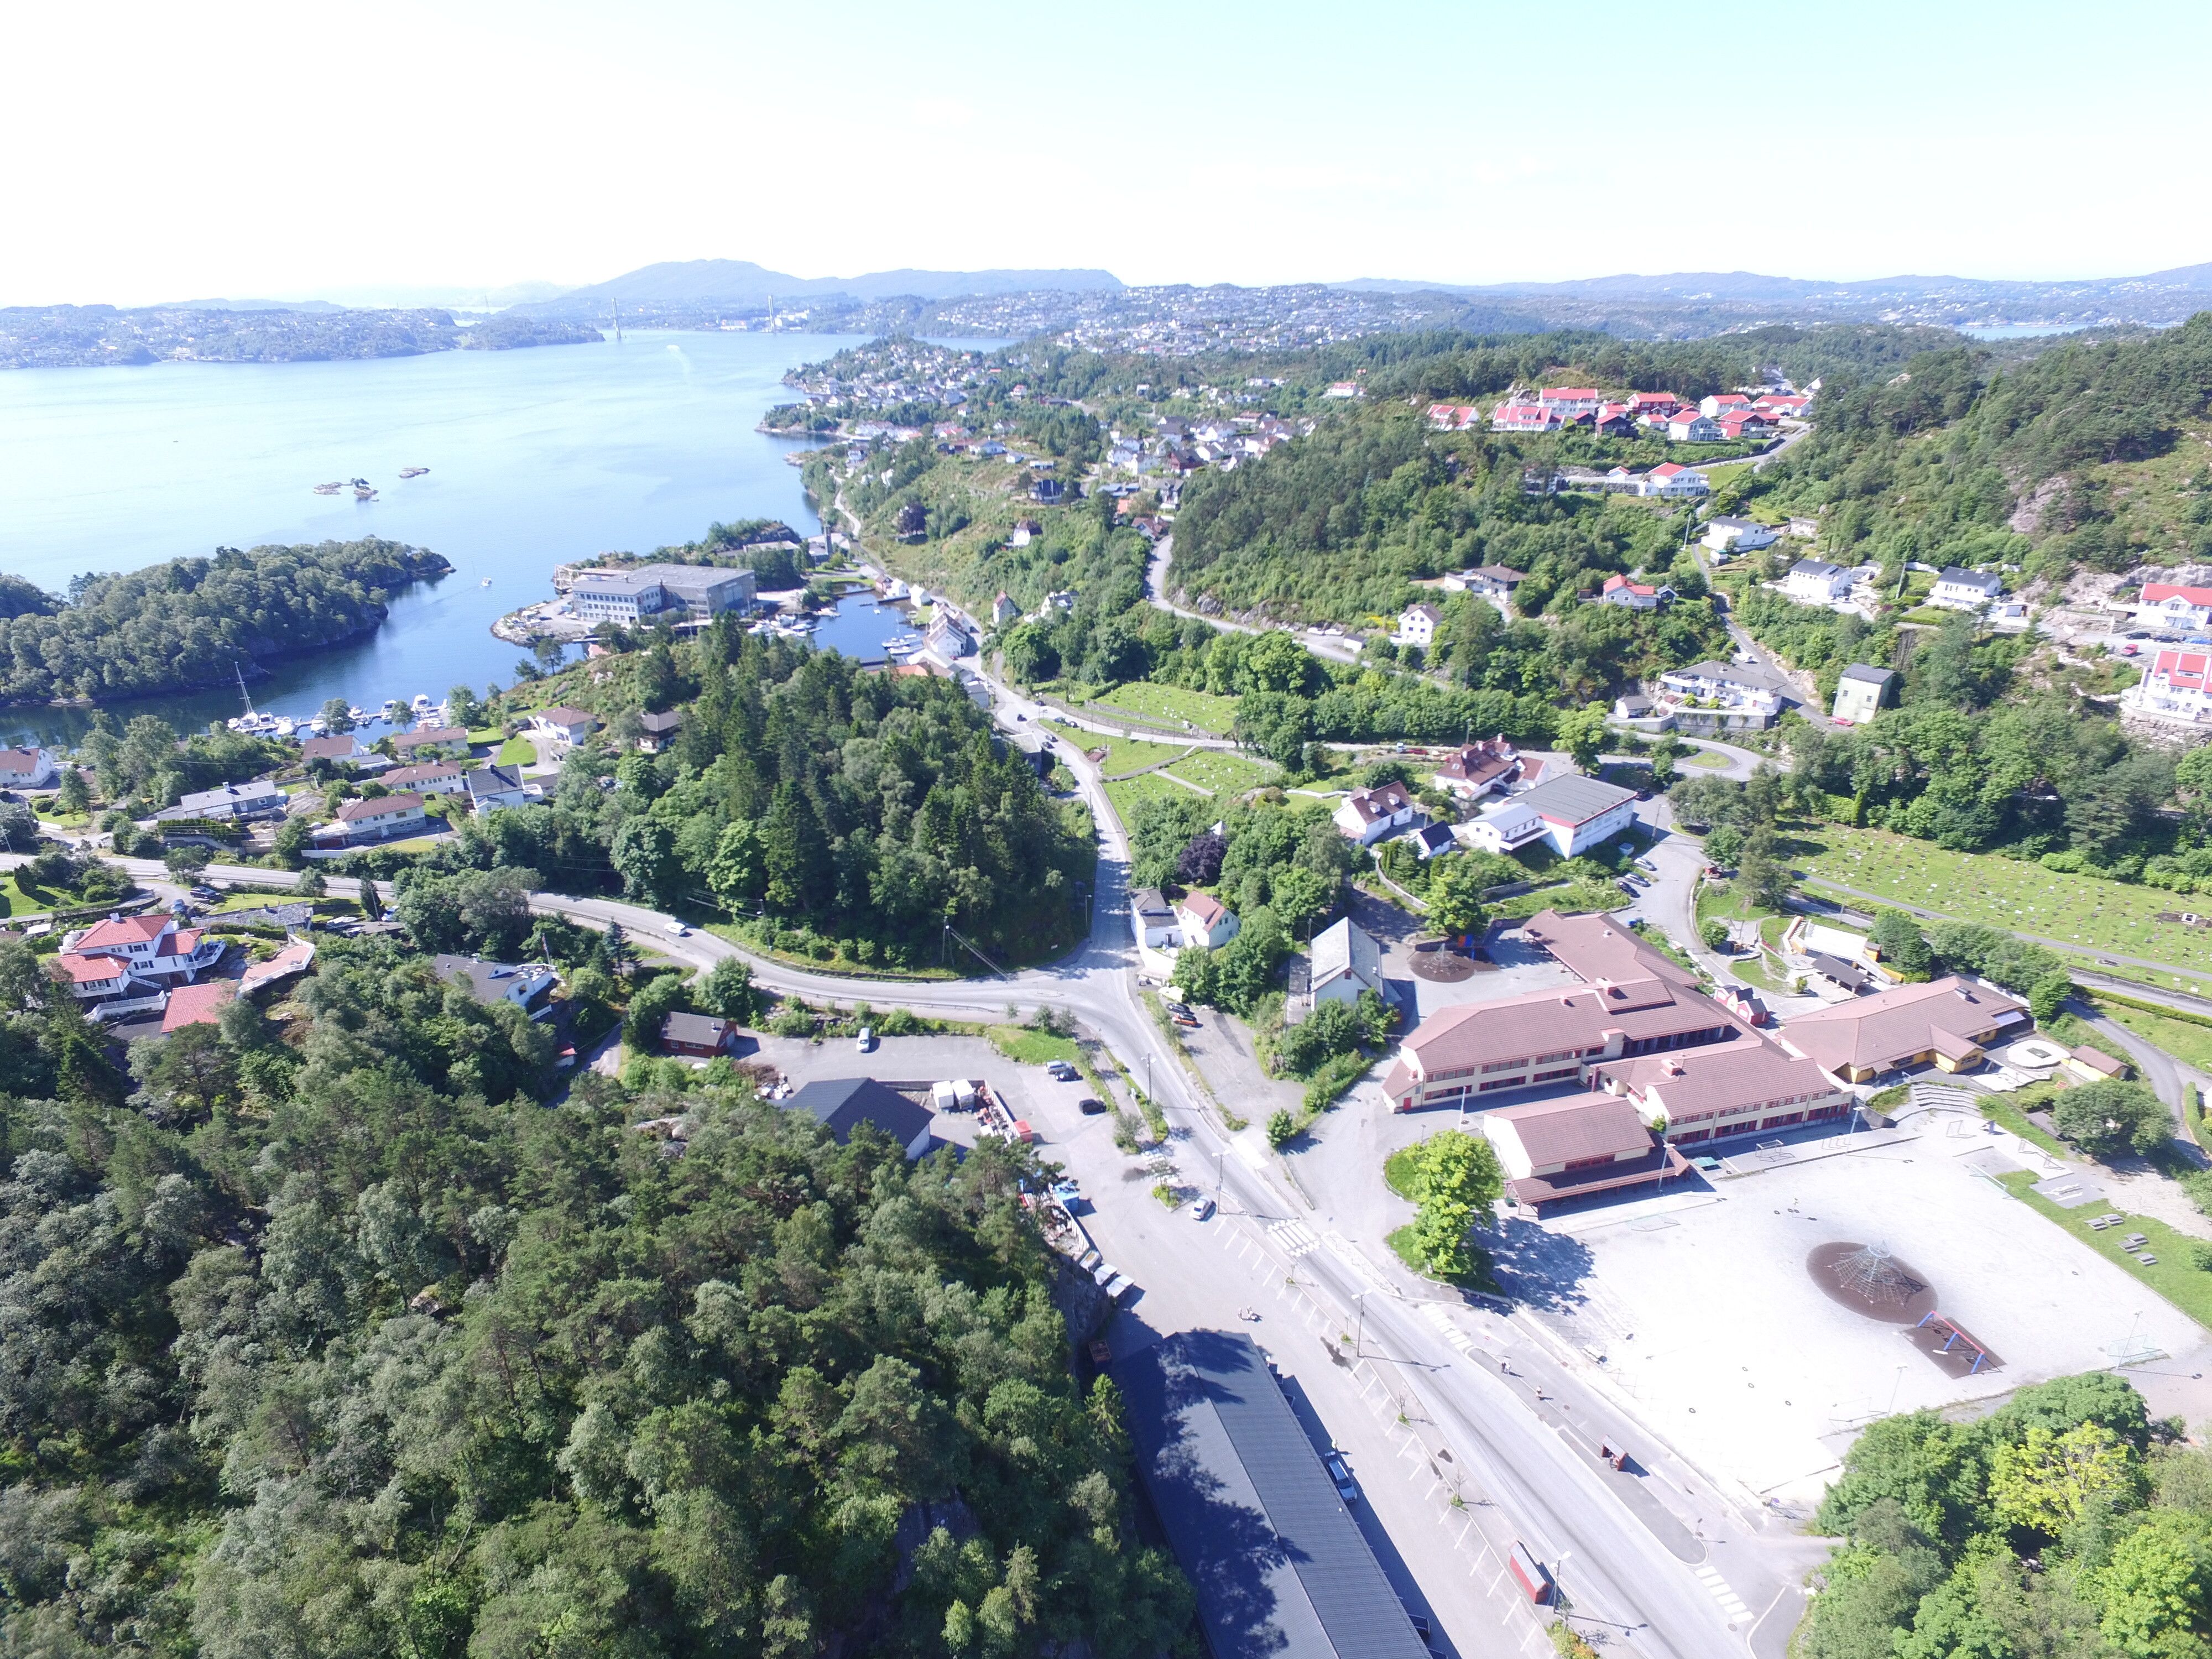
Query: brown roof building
(1577, 1147)
(1948, 1023)
(1479, 768)
(1727, 1089)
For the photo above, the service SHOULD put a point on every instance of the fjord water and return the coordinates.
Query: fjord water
(536, 457)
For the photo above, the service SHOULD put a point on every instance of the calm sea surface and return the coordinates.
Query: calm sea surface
(536, 457)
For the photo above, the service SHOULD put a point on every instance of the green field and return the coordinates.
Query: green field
(1127, 754)
(1129, 792)
(2187, 1039)
(2176, 1277)
(1705, 758)
(516, 751)
(2080, 911)
(1027, 1048)
(1216, 770)
(1171, 703)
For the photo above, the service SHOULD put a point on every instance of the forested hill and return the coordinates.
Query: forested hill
(73, 336)
(196, 622)
(326, 1337)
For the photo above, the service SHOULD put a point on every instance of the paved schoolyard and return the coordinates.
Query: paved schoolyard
(1715, 1334)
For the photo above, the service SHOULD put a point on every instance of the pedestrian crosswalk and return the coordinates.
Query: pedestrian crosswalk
(1434, 1312)
(1731, 1603)
(1293, 1238)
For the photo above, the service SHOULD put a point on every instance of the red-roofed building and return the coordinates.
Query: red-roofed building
(1581, 1146)
(1524, 417)
(1687, 426)
(2164, 604)
(1476, 768)
(1634, 596)
(1723, 401)
(1653, 403)
(1743, 423)
(2176, 690)
(1673, 478)
(126, 956)
(196, 1005)
(1569, 399)
(1368, 815)
(1204, 919)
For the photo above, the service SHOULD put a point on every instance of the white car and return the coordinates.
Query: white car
(866, 1040)
(676, 928)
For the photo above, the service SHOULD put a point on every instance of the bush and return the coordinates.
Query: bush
(1715, 933)
(727, 990)
(1281, 1127)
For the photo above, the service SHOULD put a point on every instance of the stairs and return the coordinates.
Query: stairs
(1944, 1096)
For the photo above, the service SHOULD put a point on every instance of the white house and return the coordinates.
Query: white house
(1633, 596)
(1671, 478)
(1523, 417)
(1733, 686)
(1204, 919)
(1476, 768)
(494, 786)
(1580, 813)
(1505, 829)
(1688, 426)
(257, 799)
(437, 777)
(1569, 399)
(1417, 625)
(1860, 691)
(520, 983)
(1490, 582)
(1368, 815)
(2176, 690)
(2163, 604)
(1152, 921)
(1345, 961)
(386, 818)
(128, 956)
(1004, 610)
(1964, 590)
(26, 769)
(1727, 533)
(1818, 582)
(1720, 402)
(569, 725)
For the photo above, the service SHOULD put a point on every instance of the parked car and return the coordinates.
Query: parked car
(1089, 1107)
(675, 927)
(1061, 1072)
(1341, 1476)
(1181, 1015)
(866, 1039)
(1203, 1210)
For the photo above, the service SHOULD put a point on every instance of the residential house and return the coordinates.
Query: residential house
(1860, 690)
(1475, 769)
(1342, 389)
(655, 731)
(257, 799)
(1343, 962)
(1506, 828)
(1370, 815)
(196, 1005)
(386, 817)
(1491, 582)
(1202, 919)
(1672, 479)
(1579, 812)
(342, 749)
(1553, 1151)
(1688, 426)
(1743, 423)
(565, 725)
(1615, 422)
(1152, 921)
(1047, 492)
(436, 777)
(1633, 595)
(2176, 690)
(1647, 405)
(1025, 531)
(1818, 582)
(125, 958)
(1714, 696)
(1803, 529)
(1431, 839)
(1964, 590)
(1523, 417)
(1948, 1023)
(2163, 604)
(703, 1037)
(294, 959)
(1569, 399)
(842, 1104)
(427, 740)
(491, 787)
(27, 768)
(1720, 402)
(525, 984)
(1004, 610)
(1729, 534)
(1783, 406)
(1417, 625)
(1733, 1088)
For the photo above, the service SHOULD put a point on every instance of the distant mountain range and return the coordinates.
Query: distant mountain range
(741, 285)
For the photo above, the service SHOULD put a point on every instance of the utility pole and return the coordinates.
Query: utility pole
(1359, 1337)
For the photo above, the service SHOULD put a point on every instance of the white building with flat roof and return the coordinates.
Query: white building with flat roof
(659, 590)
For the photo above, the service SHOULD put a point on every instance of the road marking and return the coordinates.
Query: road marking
(1731, 1603)
(1434, 1312)
(1295, 1238)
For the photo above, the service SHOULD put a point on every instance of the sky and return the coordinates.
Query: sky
(346, 150)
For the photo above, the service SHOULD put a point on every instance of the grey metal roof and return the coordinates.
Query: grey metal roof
(1818, 567)
(842, 1104)
(1987, 581)
(1279, 1565)
(1859, 670)
(1575, 799)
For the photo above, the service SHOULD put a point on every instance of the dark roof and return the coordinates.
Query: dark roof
(1844, 972)
(1279, 1565)
(699, 1031)
(843, 1103)
(1859, 670)
(1986, 580)
(654, 724)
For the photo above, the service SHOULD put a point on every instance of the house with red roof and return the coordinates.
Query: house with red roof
(1743, 423)
(1640, 403)
(1720, 403)
(2166, 605)
(1672, 479)
(1476, 768)
(2175, 691)
(1524, 417)
(1687, 426)
(130, 956)
(1634, 596)
(1569, 399)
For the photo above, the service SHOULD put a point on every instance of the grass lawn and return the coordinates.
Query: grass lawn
(1131, 754)
(1203, 709)
(2188, 1287)
(1572, 898)
(1130, 792)
(1026, 1047)
(516, 751)
(2011, 1111)
(2077, 911)
(1401, 1245)
(2187, 1039)
(1705, 758)
(1216, 770)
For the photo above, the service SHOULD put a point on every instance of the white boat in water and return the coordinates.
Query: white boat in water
(391, 707)
(421, 704)
(283, 727)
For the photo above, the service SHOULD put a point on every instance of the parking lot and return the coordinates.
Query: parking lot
(1711, 1325)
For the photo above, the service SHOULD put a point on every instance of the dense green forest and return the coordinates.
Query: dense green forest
(196, 622)
(325, 1337)
(817, 801)
(2064, 1525)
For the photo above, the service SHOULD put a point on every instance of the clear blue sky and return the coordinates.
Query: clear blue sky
(161, 152)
